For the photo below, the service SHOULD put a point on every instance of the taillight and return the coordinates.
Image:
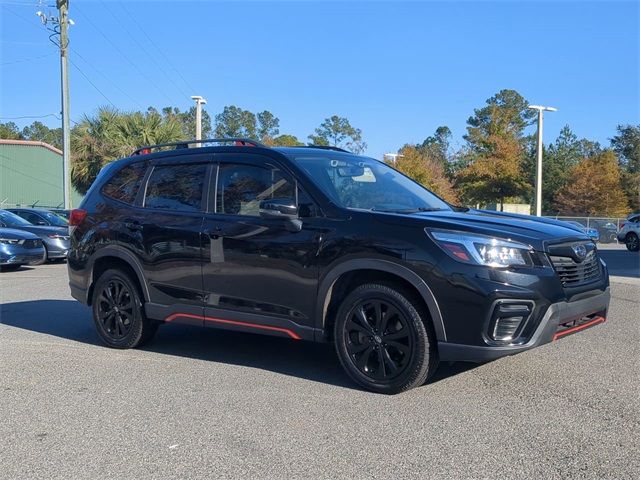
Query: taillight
(76, 217)
(622, 225)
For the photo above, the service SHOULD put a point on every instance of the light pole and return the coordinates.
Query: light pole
(540, 109)
(394, 156)
(199, 102)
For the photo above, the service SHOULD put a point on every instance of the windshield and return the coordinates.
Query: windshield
(54, 219)
(9, 219)
(364, 183)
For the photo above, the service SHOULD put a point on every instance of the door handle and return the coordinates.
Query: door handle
(133, 225)
(214, 233)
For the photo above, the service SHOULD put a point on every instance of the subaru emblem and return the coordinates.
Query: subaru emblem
(580, 252)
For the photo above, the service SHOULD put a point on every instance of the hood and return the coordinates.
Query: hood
(537, 232)
(14, 234)
(42, 231)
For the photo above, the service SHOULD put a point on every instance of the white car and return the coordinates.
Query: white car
(629, 232)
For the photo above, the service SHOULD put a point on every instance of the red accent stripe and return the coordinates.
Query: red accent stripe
(292, 334)
(577, 328)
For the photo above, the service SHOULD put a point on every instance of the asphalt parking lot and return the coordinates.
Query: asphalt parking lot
(212, 404)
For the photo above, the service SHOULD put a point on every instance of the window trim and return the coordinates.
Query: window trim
(203, 194)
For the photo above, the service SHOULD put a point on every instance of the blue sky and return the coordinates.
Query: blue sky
(397, 70)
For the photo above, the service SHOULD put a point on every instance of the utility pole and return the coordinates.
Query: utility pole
(199, 102)
(540, 109)
(60, 29)
(63, 8)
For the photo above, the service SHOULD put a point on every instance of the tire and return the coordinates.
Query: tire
(10, 268)
(382, 353)
(632, 242)
(118, 311)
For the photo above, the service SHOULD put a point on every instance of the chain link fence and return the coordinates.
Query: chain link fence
(607, 227)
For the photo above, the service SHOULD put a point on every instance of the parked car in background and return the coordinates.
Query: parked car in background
(590, 231)
(629, 232)
(38, 216)
(55, 239)
(62, 212)
(19, 248)
(607, 230)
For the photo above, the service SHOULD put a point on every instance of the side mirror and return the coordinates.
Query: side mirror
(284, 208)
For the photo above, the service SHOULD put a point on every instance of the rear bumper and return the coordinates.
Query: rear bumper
(550, 327)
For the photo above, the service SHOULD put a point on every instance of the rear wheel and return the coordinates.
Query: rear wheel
(382, 340)
(118, 311)
(631, 241)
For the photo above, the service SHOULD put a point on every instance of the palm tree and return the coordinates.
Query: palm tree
(111, 134)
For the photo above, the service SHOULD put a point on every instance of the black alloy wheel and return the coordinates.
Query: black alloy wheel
(632, 242)
(115, 309)
(378, 339)
(118, 311)
(384, 338)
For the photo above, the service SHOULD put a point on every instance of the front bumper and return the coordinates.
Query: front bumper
(21, 256)
(556, 316)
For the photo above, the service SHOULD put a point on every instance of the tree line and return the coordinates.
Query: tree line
(495, 165)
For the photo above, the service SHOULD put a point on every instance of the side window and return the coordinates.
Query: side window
(124, 185)
(32, 217)
(176, 187)
(241, 188)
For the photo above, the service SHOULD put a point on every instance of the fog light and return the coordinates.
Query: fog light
(508, 319)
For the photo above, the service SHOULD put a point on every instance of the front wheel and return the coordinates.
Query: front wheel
(632, 243)
(118, 311)
(382, 339)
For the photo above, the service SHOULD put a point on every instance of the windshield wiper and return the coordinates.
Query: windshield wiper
(406, 210)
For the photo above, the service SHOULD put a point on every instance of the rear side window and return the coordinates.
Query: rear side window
(124, 185)
(176, 187)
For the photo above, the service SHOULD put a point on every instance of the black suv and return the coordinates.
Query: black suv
(319, 244)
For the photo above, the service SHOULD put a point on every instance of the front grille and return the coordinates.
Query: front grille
(573, 274)
(32, 243)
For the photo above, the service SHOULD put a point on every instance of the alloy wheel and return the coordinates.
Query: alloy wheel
(378, 339)
(115, 309)
(632, 242)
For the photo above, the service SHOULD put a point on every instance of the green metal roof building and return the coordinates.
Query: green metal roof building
(31, 174)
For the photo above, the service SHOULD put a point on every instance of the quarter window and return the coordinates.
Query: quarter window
(124, 185)
(241, 188)
(176, 187)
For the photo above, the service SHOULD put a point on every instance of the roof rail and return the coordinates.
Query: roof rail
(239, 142)
(323, 147)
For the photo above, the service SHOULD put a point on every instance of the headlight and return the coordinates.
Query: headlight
(10, 241)
(481, 249)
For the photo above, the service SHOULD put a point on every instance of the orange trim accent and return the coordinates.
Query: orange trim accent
(577, 328)
(292, 334)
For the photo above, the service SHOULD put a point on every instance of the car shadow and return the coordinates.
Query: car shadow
(312, 361)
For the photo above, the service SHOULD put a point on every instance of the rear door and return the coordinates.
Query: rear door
(259, 274)
(165, 230)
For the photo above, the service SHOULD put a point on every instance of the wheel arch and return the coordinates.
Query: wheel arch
(116, 257)
(327, 291)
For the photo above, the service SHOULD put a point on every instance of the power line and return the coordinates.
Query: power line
(120, 89)
(124, 55)
(28, 59)
(91, 83)
(162, 54)
(126, 30)
(31, 116)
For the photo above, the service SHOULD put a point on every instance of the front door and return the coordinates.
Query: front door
(259, 274)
